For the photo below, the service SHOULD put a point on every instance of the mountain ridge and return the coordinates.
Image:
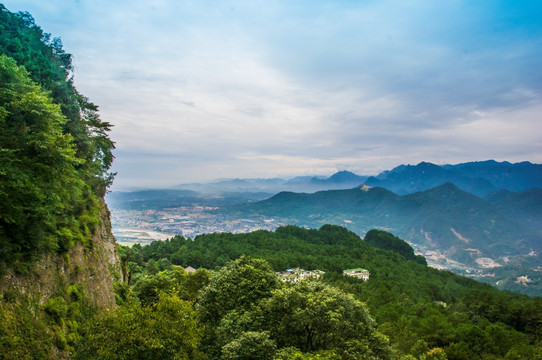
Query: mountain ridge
(479, 177)
(443, 216)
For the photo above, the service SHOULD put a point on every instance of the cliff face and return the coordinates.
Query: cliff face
(93, 269)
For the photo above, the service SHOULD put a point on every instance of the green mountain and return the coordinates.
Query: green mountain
(524, 207)
(454, 218)
(462, 226)
(454, 229)
(423, 312)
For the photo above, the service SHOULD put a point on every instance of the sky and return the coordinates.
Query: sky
(202, 90)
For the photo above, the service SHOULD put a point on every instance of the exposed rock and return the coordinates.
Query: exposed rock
(93, 268)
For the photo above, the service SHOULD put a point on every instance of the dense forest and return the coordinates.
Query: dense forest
(55, 155)
(422, 312)
(55, 149)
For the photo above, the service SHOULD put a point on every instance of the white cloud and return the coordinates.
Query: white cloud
(206, 89)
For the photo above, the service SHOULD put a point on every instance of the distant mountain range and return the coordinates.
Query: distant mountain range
(503, 175)
(424, 176)
(479, 178)
(447, 218)
(483, 215)
(492, 208)
(339, 180)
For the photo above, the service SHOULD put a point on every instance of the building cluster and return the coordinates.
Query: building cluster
(144, 226)
(297, 274)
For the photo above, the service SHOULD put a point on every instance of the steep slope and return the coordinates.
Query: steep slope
(91, 267)
(57, 253)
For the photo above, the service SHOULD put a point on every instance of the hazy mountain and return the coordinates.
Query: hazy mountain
(345, 178)
(525, 206)
(444, 217)
(503, 175)
(479, 178)
(339, 180)
(407, 179)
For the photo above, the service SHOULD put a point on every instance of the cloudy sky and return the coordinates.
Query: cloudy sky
(199, 90)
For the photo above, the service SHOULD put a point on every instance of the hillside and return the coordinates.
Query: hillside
(57, 254)
(524, 207)
(445, 217)
(454, 229)
(416, 307)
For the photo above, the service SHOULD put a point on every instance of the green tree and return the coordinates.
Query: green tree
(43, 200)
(237, 286)
(50, 67)
(385, 240)
(167, 330)
(149, 288)
(250, 346)
(311, 316)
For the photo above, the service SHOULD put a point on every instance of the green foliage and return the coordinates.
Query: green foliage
(166, 330)
(238, 285)
(385, 240)
(250, 345)
(24, 333)
(54, 149)
(74, 292)
(149, 288)
(31, 331)
(50, 67)
(311, 316)
(249, 315)
(42, 195)
(56, 308)
(122, 291)
(423, 311)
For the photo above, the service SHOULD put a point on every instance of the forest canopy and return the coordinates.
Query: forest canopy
(424, 312)
(55, 152)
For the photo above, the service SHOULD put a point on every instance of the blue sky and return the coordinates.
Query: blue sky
(199, 90)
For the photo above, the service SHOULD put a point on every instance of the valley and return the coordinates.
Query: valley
(487, 234)
(144, 226)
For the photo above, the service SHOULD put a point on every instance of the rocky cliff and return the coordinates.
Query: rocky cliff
(92, 268)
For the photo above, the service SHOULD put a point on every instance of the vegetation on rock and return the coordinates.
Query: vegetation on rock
(54, 148)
